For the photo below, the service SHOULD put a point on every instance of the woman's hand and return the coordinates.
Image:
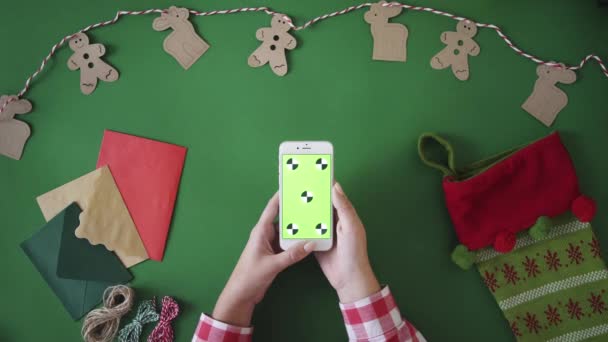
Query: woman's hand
(259, 264)
(346, 265)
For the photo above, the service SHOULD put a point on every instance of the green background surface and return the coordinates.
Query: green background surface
(233, 117)
(307, 177)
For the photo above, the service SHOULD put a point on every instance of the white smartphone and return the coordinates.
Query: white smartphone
(306, 176)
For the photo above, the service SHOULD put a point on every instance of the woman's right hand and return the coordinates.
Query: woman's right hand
(346, 265)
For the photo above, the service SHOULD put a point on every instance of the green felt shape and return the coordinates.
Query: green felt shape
(77, 296)
(78, 259)
(462, 257)
(541, 228)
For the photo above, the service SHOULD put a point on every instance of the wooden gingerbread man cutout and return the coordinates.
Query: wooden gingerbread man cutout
(13, 133)
(547, 100)
(390, 39)
(275, 40)
(183, 43)
(460, 45)
(86, 57)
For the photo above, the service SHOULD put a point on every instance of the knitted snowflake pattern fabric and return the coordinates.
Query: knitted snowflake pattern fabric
(554, 289)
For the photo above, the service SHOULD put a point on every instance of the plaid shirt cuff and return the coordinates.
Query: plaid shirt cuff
(377, 319)
(211, 330)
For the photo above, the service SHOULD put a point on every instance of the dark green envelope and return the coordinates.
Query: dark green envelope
(78, 259)
(57, 253)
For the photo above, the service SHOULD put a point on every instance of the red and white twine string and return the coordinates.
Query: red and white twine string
(504, 37)
(307, 24)
(62, 42)
(163, 332)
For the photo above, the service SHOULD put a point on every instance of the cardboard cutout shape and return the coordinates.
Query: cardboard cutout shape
(547, 100)
(87, 58)
(183, 43)
(275, 40)
(390, 39)
(13, 133)
(460, 45)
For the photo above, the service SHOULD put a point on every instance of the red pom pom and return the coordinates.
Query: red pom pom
(584, 208)
(504, 242)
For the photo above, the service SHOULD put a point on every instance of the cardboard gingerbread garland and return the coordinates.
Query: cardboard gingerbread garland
(547, 100)
(390, 39)
(275, 40)
(87, 58)
(13, 133)
(183, 43)
(459, 46)
(389, 44)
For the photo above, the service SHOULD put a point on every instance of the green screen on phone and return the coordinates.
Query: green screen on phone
(306, 196)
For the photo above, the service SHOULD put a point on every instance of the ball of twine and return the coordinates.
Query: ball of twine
(101, 325)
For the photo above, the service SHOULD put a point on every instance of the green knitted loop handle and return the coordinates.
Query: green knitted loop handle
(425, 138)
(450, 169)
(146, 313)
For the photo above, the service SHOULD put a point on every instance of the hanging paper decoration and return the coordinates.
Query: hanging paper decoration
(460, 45)
(183, 43)
(86, 57)
(13, 133)
(390, 39)
(547, 100)
(390, 42)
(275, 40)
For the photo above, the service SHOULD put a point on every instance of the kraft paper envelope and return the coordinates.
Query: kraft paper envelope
(78, 259)
(77, 296)
(105, 218)
(147, 173)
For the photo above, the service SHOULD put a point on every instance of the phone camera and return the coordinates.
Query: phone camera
(298, 148)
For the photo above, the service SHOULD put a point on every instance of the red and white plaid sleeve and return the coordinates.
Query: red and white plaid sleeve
(377, 319)
(211, 330)
(374, 319)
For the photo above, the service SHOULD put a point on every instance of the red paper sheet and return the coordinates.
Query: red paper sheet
(147, 173)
